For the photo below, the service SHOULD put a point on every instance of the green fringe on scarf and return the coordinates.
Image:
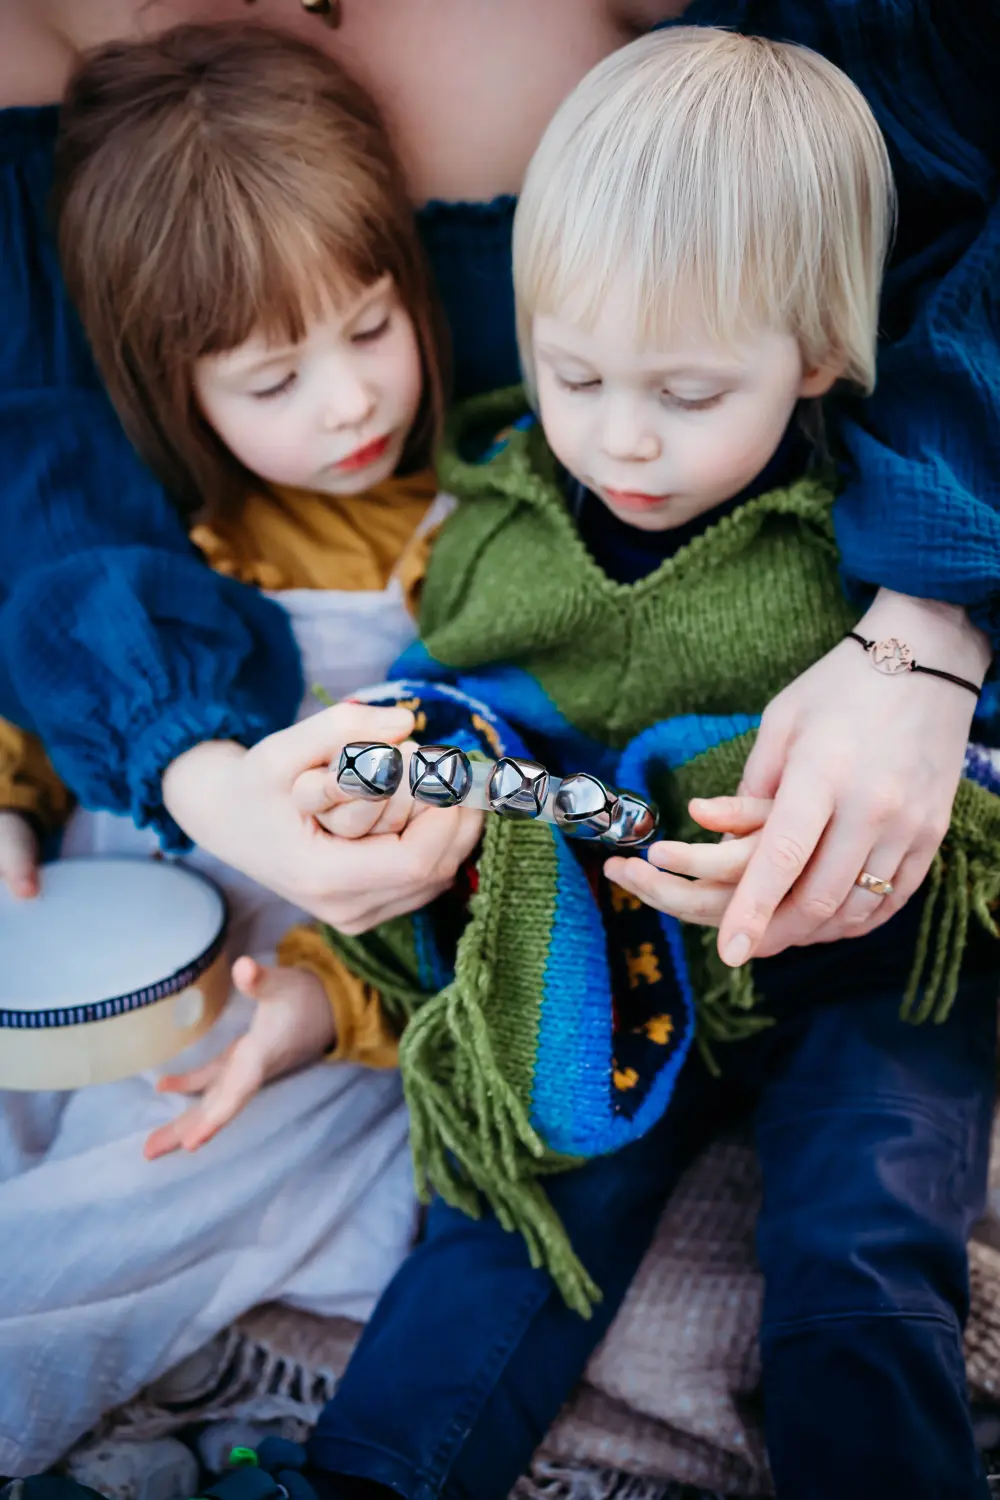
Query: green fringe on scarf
(462, 1051)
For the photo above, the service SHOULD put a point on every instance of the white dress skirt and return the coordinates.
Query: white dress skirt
(113, 1268)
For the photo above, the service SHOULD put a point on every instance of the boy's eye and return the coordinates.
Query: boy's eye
(578, 385)
(278, 389)
(369, 335)
(693, 403)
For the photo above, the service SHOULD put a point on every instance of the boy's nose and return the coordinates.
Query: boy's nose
(627, 437)
(631, 445)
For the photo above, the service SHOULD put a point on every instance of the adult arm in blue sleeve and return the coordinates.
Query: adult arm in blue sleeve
(920, 509)
(118, 645)
(920, 513)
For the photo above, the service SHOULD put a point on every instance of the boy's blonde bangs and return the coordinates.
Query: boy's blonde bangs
(705, 173)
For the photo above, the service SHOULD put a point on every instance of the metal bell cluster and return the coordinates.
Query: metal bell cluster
(581, 805)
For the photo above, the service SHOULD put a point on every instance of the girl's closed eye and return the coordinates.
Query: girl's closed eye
(278, 388)
(370, 335)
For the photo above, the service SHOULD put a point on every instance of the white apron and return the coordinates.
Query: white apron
(112, 1268)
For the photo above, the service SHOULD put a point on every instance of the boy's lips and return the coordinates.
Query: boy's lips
(362, 457)
(634, 499)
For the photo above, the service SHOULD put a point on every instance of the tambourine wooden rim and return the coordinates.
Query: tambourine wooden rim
(120, 1005)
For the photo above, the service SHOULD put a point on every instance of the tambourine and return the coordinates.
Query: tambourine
(116, 967)
(513, 787)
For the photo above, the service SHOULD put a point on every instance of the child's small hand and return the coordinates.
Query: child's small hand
(18, 855)
(317, 792)
(695, 882)
(292, 1026)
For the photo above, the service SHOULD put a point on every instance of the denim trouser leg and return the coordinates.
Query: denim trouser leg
(873, 1136)
(874, 1139)
(471, 1353)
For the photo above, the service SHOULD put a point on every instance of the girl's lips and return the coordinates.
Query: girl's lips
(362, 457)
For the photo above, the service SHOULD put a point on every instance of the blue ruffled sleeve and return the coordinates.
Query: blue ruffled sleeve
(118, 646)
(920, 510)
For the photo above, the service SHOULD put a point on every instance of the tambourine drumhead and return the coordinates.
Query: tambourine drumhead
(117, 966)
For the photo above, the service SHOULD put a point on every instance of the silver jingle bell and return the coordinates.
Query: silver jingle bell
(441, 775)
(583, 806)
(369, 771)
(634, 823)
(517, 788)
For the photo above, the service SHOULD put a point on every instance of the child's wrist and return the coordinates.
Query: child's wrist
(192, 783)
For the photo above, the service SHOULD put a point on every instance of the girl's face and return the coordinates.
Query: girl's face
(331, 413)
(665, 434)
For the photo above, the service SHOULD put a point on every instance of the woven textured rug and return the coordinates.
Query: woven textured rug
(670, 1398)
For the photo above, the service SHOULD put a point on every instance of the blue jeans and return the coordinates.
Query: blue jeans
(873, 1138)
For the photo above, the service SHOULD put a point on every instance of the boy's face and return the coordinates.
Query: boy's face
(331, 413)
(665, 434)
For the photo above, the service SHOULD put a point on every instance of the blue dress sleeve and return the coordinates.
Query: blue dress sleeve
(118, 646)
(920, 509)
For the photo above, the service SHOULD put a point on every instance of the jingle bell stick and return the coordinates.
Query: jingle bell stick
(512, 787)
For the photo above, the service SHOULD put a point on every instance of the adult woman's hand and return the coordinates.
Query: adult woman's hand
(863, 770)
(239, 805)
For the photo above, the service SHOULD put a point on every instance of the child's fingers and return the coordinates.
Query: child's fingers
(397, 811)
(723, 863)
(18, 856)
(196, 1080)
(739, 815)
(163, 1140)
(399, 815)
(351, 820)
(238, 1079)
(262, 982)
(236, 1086)
(316, 791)
(698, 901)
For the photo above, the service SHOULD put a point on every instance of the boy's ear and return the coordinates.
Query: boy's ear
(817, 381)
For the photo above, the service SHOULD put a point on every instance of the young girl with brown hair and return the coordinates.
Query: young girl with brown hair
(237, 236)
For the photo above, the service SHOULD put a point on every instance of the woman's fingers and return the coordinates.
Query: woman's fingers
(798, 819)
(861, 911)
